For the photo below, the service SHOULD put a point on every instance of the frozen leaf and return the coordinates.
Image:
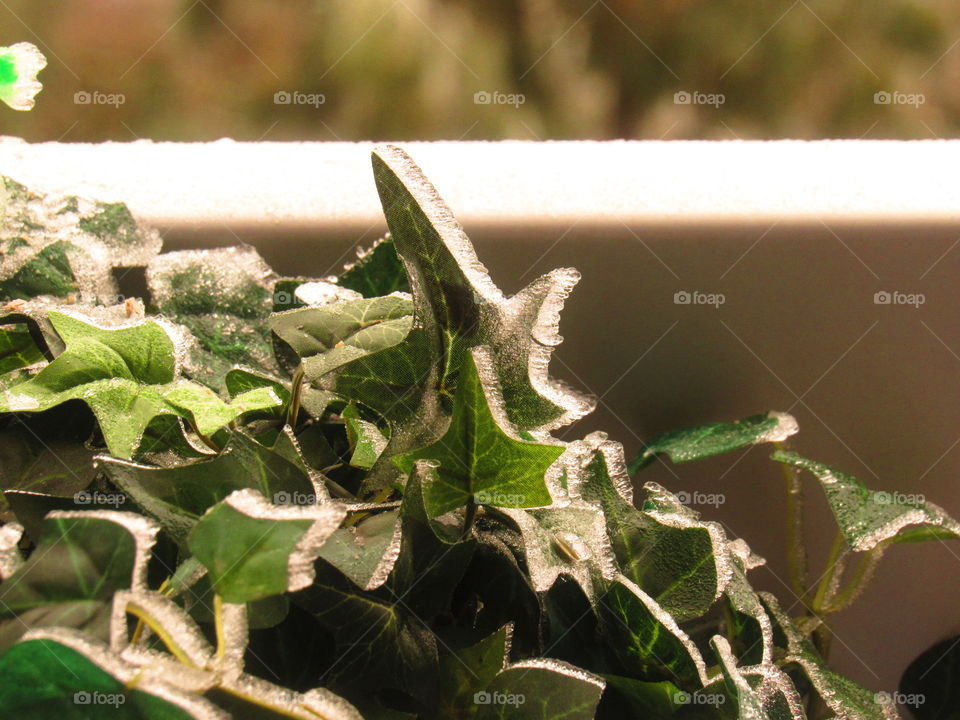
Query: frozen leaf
(844, 697)
(639, 698)
(478, 460)
(177, 496)
(366, 440)
(664, 548)
(19, 65)
(223, 296)
(329, 336)
(540, 690)
(707, 440)
(379, 643)
(253, 549)
(376, 272)
(61, 674)
(570, 540)
(762, 692)
(457, 307)
(127, 378)
(867, 518)
(81, 560)
(17, 348)
(65, 245)
(646, 638)
(366, 551)
(467, 671)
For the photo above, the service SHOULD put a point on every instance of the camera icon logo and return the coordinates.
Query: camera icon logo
(881, 97)
(682, 297)
(882, 298)
(82, 97)
(282, 498)
(482, 97)
(682, 97)
(81, 698)
(482, 698)
(282, 97)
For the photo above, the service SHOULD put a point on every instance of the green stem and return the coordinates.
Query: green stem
(206, 439)
(218, 624)
(858, 583)
(296, 390)
(826, 588)
(797, 559)
(468, 518)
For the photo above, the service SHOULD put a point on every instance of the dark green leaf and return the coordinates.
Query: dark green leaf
(376, 272)
(540, 690)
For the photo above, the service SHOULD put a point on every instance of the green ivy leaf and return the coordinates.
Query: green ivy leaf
(365, 552)
(761, 692)
(844, 697)
(66, 677)
(705, 441)
(17, 348)
(478, 461)
(646, 638)
(329, 336)
(254, 549)
(81, 560)
(376, 272)
(664, 549)
(223, 297)
(540, 690)
(366, 440)
(127, 378)
(465, 672)
(867, 518)
(177, 496)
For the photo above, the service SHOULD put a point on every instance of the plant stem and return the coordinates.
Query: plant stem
(296, 390)
(207, 440)
(797, 559)
(835, 564)
(861, 578)
(469, 516)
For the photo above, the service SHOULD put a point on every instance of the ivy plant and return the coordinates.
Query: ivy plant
(248, 495)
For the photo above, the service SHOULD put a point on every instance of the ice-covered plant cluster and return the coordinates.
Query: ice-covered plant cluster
(258, 496)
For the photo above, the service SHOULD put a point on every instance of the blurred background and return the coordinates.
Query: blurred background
(520, 69)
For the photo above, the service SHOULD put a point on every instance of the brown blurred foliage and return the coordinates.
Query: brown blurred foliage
(410, 69)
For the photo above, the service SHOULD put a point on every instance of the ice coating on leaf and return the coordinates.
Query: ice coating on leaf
(742, 597)
(179, 628)
(143, 530)
(129, 675)
(66, 246)
(570, 540)
(320, 292)
(762, 691)
(367, 551)
(454, 295)
(10, 557)
(844, 697)
(867, 518)
(321, 521)
(669, 623)
(312, 705)
(667, 509)
(750, 706)
(222, 297)
(703, 441)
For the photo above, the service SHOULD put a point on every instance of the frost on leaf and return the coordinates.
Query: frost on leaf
(66, 246)
(254, 549)
(457, 307)
(868, 518)
(223, 296)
